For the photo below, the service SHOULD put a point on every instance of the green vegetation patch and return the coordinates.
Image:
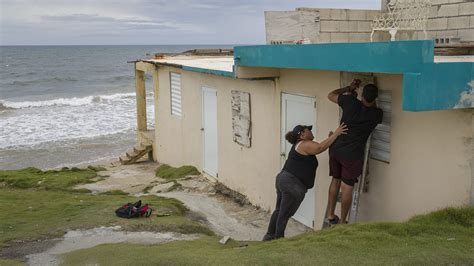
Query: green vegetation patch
(114, 192)
(35, 178)
(439, 238)
(38, 214)
(167, 172)
(7, 262)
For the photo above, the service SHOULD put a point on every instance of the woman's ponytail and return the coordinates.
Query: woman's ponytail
(291, 138)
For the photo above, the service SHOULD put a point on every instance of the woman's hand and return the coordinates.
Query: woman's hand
(312, 147)
(341, 130)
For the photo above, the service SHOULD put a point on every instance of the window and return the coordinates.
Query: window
(175, 85)
(380, 142)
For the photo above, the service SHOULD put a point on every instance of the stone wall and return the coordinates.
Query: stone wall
(291, 26)
(447, 18)
(451, 18)
(346, 25)
(318, 25)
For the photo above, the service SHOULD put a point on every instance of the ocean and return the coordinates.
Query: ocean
(71, 105)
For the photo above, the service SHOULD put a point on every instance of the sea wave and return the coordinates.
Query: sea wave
(3, 107)
(76, 101)
(36, 81)
(65, 141)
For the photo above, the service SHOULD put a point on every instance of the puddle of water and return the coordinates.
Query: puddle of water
(81, 239)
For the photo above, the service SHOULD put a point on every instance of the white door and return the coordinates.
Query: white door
(298, 110)
(209, 128)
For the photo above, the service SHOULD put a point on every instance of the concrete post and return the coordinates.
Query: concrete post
(141, 100)
(156, 87)
(384, 5)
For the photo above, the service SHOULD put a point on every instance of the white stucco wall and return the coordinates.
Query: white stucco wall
(431, 152)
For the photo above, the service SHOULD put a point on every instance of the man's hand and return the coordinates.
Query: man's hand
(354, 85)
(334, 95)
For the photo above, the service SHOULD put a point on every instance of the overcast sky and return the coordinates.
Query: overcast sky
(67, 22)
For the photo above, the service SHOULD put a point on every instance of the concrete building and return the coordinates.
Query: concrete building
(227, 116)
(447, 19)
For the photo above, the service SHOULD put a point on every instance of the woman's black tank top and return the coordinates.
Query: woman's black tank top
(302, 166)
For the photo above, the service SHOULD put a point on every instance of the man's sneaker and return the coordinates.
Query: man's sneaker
(333, 221)
(268, 237)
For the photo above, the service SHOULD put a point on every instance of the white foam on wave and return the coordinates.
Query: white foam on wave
(76, 101)
(103, 116)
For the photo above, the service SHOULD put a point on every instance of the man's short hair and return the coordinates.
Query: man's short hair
(370, 92)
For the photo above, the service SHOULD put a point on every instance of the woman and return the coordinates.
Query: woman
(297, 175)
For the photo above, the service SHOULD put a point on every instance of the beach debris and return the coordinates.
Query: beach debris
(137, 152)
(162, 187)
(224, 240)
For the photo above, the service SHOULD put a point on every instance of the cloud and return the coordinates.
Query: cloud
(466, 99)
(134, 23)
(146, 21)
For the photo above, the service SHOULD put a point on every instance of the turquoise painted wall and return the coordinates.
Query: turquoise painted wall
(426, 85)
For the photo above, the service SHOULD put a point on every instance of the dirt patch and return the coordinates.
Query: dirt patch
(225, 211)
(18, 250)
(234, 195)
(82, 239)
(128, 178)
(226, 217)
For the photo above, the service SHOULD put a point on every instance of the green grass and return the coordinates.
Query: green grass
(114, 192)
(7, 262)
(44, 214)
(57, 180)
(31, 210)
(167, 172)
(443, 237)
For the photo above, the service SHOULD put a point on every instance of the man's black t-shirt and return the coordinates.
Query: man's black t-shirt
(360, 121)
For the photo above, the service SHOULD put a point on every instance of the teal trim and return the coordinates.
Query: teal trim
(210, 71)
(439, 87)
(426, 85)
(382, 57)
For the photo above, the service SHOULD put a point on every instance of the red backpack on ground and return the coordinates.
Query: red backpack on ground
(134, 210)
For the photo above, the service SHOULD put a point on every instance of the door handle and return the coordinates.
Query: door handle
(283, 154)
(202, 129)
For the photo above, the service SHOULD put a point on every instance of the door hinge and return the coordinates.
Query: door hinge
(314, 104)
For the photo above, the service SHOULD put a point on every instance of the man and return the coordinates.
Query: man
(346, 155)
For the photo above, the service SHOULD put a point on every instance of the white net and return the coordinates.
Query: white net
(407, 15)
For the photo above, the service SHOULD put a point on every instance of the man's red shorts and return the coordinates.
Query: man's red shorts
(346, 170)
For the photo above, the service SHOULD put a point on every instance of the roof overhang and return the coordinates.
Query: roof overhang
(217, 65)
(427, 85)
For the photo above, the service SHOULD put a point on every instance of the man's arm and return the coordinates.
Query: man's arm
(333, 96)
